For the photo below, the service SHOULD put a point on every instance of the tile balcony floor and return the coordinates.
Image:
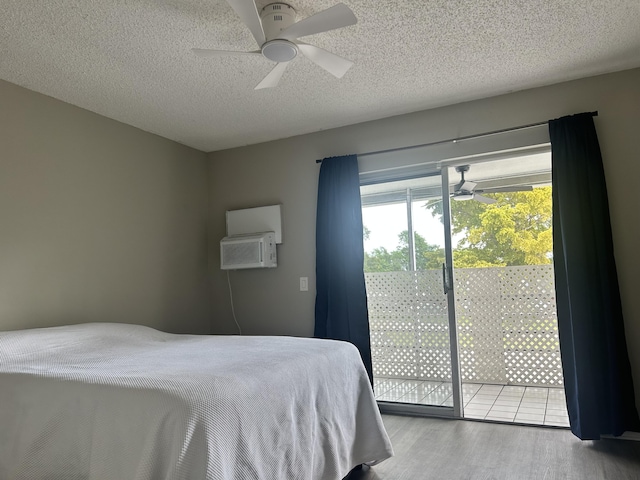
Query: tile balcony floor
(501, 403)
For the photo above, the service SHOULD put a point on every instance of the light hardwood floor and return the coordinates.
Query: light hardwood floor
(429, 448)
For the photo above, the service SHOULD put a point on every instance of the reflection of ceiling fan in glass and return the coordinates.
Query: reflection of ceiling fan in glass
(466, 190)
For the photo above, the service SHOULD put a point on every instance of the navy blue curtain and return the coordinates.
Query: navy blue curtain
(597, 373)
(341, 298)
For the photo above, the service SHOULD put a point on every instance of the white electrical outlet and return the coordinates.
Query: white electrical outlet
(304, 284)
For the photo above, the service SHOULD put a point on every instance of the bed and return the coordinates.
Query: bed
(126, 402)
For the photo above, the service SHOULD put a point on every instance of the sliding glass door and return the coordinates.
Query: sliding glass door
(411, 304)
(509, 351)
(496, 331)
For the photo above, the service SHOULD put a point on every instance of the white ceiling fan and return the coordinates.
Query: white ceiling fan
(466, 190)
(277, 33)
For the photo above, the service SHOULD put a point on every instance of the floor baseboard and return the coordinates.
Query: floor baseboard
(635, 436)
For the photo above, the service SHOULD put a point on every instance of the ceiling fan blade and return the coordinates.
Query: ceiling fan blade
(337, 16)
(332, 63)
(464, 186)
(469, 186)
(521, 188)
(482, 199)
(273, 77)
(206, 52)
(248, 13)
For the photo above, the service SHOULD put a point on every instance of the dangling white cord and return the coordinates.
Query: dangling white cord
(233, 311)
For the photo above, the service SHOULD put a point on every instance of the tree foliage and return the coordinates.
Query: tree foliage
(428, 256)
(516, 230)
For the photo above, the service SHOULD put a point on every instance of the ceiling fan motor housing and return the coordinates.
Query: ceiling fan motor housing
(275, 18)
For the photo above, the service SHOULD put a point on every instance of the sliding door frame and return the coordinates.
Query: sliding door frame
(449, 282)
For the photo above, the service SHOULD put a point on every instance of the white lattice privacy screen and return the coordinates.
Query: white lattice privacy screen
(507, 325)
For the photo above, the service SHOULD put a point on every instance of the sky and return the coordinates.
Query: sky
(387, 221)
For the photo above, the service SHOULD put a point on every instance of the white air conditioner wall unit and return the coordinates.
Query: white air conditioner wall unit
(257, 250)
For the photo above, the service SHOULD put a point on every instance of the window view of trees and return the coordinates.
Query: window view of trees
(381, 260)
(516, 230)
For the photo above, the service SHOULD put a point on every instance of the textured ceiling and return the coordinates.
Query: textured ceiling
(130, 60)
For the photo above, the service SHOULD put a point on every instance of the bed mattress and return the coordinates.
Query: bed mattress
(116, 401)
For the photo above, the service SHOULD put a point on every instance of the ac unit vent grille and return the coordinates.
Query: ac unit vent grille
(241, 253)
(277, 7)
(277, 18)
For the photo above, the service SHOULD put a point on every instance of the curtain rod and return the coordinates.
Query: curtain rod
(459, 139)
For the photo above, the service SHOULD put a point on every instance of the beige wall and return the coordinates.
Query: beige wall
(268, 302)
(99, 221)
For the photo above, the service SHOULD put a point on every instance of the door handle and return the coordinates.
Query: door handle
(445, 283)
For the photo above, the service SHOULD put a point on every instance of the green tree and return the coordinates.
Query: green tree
(516, 230)
(428, 256)
(366, 233)
(381, 260)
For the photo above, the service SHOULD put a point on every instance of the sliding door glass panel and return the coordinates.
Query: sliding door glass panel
(408, 314)
(505, 304)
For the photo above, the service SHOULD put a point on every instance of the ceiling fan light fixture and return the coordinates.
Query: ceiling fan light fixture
(280, 51)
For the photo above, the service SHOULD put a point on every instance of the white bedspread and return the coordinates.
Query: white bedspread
(126, 402)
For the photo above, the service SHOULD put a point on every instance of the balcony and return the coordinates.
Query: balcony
(507, 336)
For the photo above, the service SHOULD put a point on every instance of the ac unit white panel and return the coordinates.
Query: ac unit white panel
(248, 251)
(252, 220)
